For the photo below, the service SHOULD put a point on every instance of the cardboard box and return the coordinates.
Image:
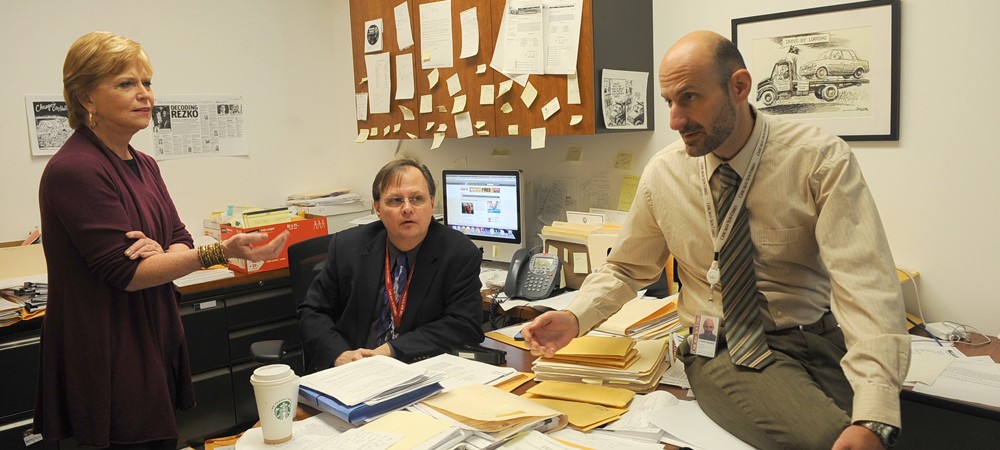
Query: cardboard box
(301, 230)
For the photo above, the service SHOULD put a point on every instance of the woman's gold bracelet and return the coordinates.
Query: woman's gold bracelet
(210, 255)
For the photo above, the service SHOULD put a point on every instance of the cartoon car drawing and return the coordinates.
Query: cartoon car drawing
(835, 62)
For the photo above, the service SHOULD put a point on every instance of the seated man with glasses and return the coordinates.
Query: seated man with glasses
(404, 286)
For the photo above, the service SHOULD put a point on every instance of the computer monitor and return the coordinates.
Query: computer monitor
(487, 206)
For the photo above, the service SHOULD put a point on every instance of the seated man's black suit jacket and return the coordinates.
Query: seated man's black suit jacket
(444, 307)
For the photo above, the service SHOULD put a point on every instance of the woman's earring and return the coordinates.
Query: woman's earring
(91, 117)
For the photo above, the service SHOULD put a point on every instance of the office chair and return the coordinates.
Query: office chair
(305, 260)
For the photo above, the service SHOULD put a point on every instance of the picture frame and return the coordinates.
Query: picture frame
(834, 66)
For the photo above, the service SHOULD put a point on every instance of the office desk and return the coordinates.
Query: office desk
(937, 422)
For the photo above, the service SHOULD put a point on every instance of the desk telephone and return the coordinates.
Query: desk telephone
(532, 276)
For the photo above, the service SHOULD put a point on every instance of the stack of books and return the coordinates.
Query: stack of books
(609, 361)
(367, 388)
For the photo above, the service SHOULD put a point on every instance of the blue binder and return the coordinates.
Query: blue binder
(360, 412)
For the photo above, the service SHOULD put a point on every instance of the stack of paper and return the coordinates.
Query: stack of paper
(326, 197)
(419, 431)
(586, 406)
(367, 388)
(643, 375)
(458, 372)
(644, 318)
(490, 413)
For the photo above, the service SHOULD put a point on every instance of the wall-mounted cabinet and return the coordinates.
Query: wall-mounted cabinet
(614, 34)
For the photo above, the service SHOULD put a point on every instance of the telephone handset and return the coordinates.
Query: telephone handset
(532, 276)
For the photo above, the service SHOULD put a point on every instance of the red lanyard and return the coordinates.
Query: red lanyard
(397, 310)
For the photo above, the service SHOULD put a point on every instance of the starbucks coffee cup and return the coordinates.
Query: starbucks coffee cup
(276, 389)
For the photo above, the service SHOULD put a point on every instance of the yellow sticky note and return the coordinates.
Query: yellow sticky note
(505, 87)
(580, 263)
(385, 131)
(395, 128)
(506, 108)
(426, 103)
(623, 161)
(442, 127)
(537, 138)
(438, 139)
(459, 104)
(411, 135)
(528, 95)
(486, 94)
(574, 153)
(480, 124)
(373, 132)
(432, 78)
(512, 130)
(454, 85)
(481, 68)
(630, 184)
(575, 120)
(430, 125)
(362, 135)
(483, 132)
(407, 113)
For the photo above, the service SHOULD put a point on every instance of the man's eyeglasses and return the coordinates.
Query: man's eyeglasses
(397, 202)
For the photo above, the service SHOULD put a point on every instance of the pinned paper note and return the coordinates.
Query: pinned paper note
(512, 129)
(463, 125)
(411, 135)
(407, 113)
(363, 80)
(438, 139)
(361, 104)
(454, 85)
(432, 78)
(385, 131)
(470, 33)
(537, 138)
(459, 104)
(574, 153)
(404, 76)
(480, 124)
(362, 135)
(373, 132)
(575, 120)
(426, 56)
(480, 69)
(395, 128)
(506, 108)
(404, 36)
(572, 89)
(442, 108)
(426, 103)
(528, 95)
(483, 132)
(623, 161)
(486, 94)
(430, 125)
(442, 127)
(505, 87)
(550, 108)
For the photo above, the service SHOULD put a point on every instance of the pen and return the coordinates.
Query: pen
(926, 331)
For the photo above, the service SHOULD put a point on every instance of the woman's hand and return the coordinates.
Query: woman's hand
(240, 246)
(143, 247)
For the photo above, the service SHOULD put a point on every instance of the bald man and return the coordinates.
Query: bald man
(827, 299)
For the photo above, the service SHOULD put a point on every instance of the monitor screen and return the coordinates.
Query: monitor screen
(486, 206)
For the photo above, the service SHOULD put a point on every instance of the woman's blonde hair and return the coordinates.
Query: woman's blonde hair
(92, 57)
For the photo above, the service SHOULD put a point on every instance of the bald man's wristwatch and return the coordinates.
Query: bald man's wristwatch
(887, 433)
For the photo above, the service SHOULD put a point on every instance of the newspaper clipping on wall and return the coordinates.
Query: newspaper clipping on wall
(198, 126)
(48, 123)
(623, 97)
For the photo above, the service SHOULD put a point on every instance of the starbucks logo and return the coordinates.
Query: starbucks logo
(283, 409)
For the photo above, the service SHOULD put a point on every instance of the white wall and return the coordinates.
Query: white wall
(291, 62)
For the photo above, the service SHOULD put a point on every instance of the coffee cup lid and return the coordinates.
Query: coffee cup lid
(271, 372)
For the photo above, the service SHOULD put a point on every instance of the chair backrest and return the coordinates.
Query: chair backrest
(305, 260)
